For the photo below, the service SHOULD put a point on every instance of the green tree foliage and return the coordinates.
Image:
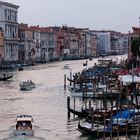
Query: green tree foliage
(135, 48)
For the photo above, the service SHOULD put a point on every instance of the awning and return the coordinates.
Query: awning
(128, 79)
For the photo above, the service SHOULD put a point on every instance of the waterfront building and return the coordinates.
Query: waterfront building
(37, 41)
(48, 45)
(9, 24)
(104, 42)
(125, 43)
(94, 43)
(119, 43)
(73, 42)
(61, 43)
(88, 46)
(134, 36)
(1, 45)
(27, 47)
(84, 43)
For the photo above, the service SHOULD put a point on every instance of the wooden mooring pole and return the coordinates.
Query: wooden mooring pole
(68, 106)
(64, 81)
(74, 107)
(70, 77)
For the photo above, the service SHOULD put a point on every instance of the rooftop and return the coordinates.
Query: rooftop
(9, 4)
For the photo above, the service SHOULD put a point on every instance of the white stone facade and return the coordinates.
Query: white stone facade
(8, 22)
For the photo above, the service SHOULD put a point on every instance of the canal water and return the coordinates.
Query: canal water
(47, 102)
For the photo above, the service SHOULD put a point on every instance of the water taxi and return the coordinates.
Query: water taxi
(27, 85)
(66, 66)
(24, 125)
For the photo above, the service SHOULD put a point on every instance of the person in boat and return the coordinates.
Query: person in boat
(29, 81)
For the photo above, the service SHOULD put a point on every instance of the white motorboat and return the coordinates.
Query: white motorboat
(27, 85)
(66, 66)
(24, 125)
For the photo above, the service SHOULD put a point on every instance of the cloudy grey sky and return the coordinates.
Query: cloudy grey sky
(119, 15)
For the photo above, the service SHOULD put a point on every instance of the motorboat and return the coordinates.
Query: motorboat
(24, 125)
(66, 66)
(27, 85)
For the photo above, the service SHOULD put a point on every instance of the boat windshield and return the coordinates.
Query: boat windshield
(23, 125)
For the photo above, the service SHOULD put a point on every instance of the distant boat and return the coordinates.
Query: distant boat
(5, 77)
(27, 85)
(66, 66)
(24, 125)
(90, 58)
(85, 64)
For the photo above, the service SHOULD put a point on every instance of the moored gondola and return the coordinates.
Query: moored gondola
(99, 131)
(5, 77)
(125, 121)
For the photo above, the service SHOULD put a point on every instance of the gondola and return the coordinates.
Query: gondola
(80, 114)
(5, 77)
(124, 122)
(85, 64)
(96, 114)
(100, 131)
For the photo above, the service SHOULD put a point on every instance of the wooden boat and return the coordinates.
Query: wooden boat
(80, 114)
(90, 112)
(27, 85)
(96, 114)
(85, 64)
(5, 77)
(21, 68)
(90, 58)
(24, 125)
(99, 131)
(124, 122)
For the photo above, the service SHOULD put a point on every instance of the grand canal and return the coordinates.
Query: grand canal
(47, 103)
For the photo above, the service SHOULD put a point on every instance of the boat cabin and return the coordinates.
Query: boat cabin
(24, 122)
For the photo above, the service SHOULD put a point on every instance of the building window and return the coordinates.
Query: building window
(5, 14)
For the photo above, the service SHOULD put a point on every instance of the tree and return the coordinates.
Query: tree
(135, 48)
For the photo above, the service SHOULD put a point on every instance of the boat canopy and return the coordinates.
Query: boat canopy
(128, 79)
(24, 118)
(125, 114)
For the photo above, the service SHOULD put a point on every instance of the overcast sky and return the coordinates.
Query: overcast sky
(118, 15)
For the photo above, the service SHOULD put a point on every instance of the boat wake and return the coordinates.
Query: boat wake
(37, 128)
(24, 138)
